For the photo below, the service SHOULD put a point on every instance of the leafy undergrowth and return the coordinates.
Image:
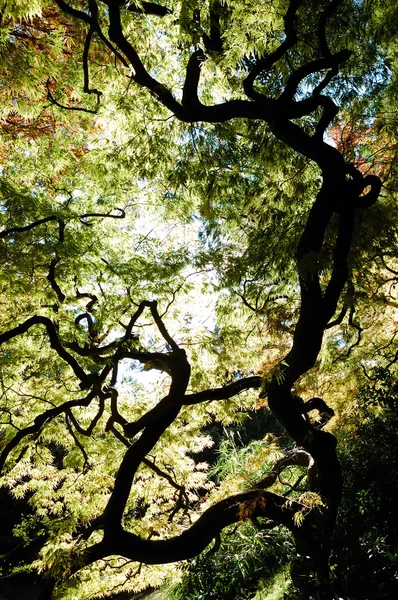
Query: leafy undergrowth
(365, 561)
(234, 571)
(275, 588)
(247, 554)
(364, 565)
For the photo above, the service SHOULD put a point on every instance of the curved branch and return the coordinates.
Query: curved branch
(299, 457)
(195, 539)
(325, 16)
(340, 318)
(53, 282)
(132, 459)
(262, 108)
(94, 353)
(150, 464)
(86, 74)
(318, 404)
(367, 200)
(359, 335)
(87, 432)
(141, 75)
(54, 342)
(216, 113)
(129, 328)
(214, 41)
(180, 373)
(108, 215)
(40, 421)
(90, 323)
(82, 16)
(190, 90)
(51, 99)
(325, 412)
(77, 442)
(93, 299)
(319, 64)
(147, 8)
(330, 111)
(161, 326)
(115, 417)
(23, 228)
(266, 62)
(340, 265)
(224, 393)
(73, 12)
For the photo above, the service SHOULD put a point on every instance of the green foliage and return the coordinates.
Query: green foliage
(365, 559)
(275, 588)
(248, 554)
(245, 465)
(236, 568)
(212, 215)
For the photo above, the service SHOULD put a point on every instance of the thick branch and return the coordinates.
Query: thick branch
(93, 299)
(180, 373)
(214, 41)
(190, 91)
(134, 318)
(115, 417)
(338, 320)
(195, 539)
(197, 111)
(340, 266)
(141, 75)
(223, 393)
(320, 405)
(132, 459)
(90, 20)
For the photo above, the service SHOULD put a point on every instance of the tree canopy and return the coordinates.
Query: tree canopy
(197, 224)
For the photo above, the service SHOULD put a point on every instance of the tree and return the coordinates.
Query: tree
(289, 63)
